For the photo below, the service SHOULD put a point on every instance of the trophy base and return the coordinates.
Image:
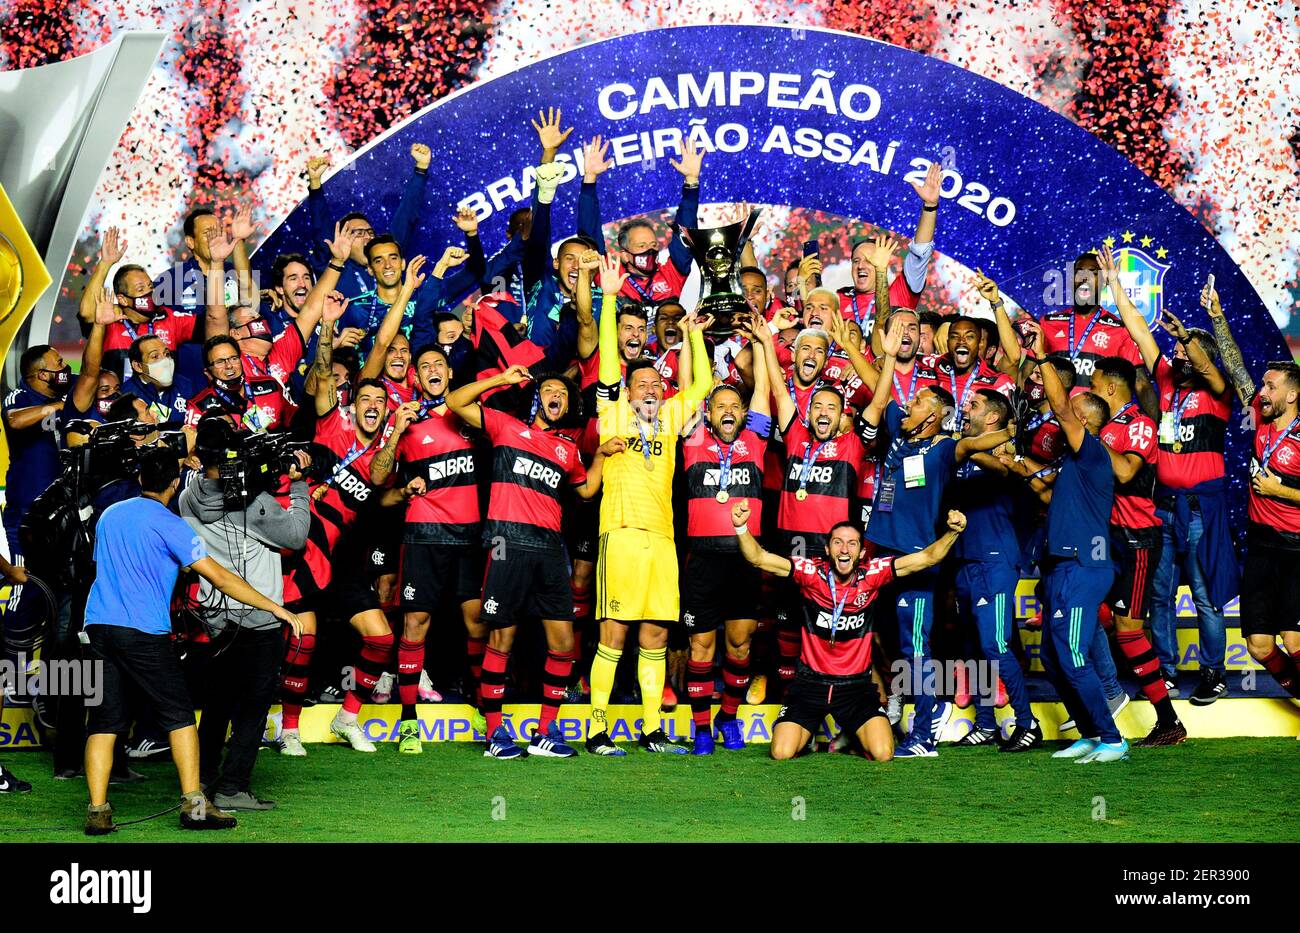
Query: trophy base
(724, 306)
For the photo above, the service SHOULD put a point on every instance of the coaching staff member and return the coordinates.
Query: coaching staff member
(140, 547)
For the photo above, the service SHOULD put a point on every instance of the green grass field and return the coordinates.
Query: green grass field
(1204, 791)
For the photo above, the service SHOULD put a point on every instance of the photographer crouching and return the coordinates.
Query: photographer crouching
(140, 548)
(245, 536)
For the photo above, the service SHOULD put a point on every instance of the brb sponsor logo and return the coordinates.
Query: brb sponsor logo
(816, 474)
(451, 467)
(536, 470)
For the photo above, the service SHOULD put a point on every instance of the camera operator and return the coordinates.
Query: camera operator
(243, 671)
(140, 547)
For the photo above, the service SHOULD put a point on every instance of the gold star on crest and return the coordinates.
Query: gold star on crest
(1146, 241)
(1128, 236)
(1161, 253)
(1109, 241)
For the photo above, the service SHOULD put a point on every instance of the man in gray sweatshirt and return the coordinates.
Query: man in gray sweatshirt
(243, 668)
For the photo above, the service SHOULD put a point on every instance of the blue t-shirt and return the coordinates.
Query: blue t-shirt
(909, 523)
(140, 548)
(989, 503)
(1078, 520)
(33, 453)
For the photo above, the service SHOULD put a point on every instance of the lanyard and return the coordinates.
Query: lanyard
(808, 462)
(258, 367)
(803, 415)
(130, 328)
(1277, 441)
(724, 467)
(1092, 322)
(645, 295)
(395, 391)
(356, 451)
(911, 386)
(837, 605)
(1180, 406)
(1036, 422)
(236, 407)
(960, 399)
(429, 404)
(857, 314)
(646, 442)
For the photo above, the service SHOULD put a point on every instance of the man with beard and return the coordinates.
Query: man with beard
(650, 281)
(1135, 538)
(722, 459)
(988, 571)
(441, 552)
(1270, 582)
(920, 463)
(389, 360)
(386, 264)
(837, 592)
(636, 521)
(154, 380)
(341, 507)
(1191, 488)
(528, 568)
(254, 403)
(292, 280)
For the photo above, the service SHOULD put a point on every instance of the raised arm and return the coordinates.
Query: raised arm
(1229, 352)
(403, 221)
(412, 279)
(751, 550)
(381, 468)
(464, 403)
(934, 554)
(687, 214)
(838, 328)
(760, 399)
(612, 278)
(1196, 355)
(695, 359)
(1129, 314)
(1008, 338)
(785, 407)
(1059, 400)
(594, 164)
(111, 251)
(588, 335)
(322, 369)
(87, 384)
(883, 394)
(878, 254)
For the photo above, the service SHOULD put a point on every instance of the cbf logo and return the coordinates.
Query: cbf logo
(1142, 276)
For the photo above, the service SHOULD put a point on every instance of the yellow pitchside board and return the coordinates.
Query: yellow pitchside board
(23, 279)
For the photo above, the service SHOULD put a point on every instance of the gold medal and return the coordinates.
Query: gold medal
(722, 495)
(801, 495)
(649, 465)
(1178, 447)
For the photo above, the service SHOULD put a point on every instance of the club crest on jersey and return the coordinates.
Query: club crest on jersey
(1142, 277)
(562, 453)
(1284, 456)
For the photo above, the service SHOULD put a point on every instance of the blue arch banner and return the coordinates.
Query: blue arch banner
(816, 119)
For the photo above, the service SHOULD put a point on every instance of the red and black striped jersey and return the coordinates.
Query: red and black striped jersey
(861, 306)
(940, 371)
(438, 448)
(1046, 439)
(287, 351)
(1277, 447)
(530, 469)
(1131, 431)
(263, 405)
(348, 495)
(843, 650)
(827, 471)
(708, 521)
(173, 328)
(1096, 336)
(1193, 430)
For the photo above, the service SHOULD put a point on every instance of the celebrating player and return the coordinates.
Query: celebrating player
(835, 655)
(527, 567)
(636, 570)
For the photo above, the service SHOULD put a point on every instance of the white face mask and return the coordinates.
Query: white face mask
(162, 371)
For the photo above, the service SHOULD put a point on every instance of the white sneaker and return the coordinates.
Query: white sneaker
(351, 733)
(291, 744)
(426, 692)
(894, 709)
(939, 719)
(384, 688)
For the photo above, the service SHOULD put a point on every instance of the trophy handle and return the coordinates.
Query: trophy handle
(747, 227)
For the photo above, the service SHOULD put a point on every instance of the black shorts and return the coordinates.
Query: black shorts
(382, 553)
(431, 573)
(582, 529)
(527, 583)
(1135, 555)
(148, 661)
(1270, 590)
(719, 585)
(851, 701)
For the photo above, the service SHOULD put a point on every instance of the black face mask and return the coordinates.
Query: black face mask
(1182, 369)
(233, 385)
(647, 262)
(1036, 392)
(62, 380)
